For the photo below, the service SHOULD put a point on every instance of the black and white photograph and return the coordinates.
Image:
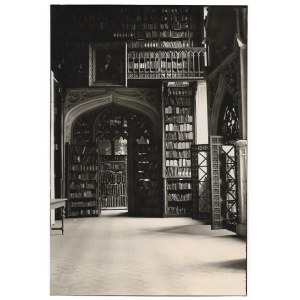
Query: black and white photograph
(148, 150)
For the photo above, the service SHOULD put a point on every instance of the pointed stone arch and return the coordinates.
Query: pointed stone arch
(143, 101)
(222, 90)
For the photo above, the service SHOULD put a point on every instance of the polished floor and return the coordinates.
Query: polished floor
(120, 255)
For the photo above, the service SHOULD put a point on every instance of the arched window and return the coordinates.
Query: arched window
(229, 122)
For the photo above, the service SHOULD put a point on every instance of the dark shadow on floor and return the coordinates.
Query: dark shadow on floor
(237, 264)
(199, 229)
(115, 213)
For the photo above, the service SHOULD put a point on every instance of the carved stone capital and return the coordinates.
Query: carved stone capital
(241, 143)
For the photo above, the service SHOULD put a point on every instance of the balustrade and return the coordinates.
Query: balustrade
(180, 63)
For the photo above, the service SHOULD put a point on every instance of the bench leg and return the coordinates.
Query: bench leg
(62, 211)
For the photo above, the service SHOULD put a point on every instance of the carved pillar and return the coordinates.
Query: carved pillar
(241, 147)
(243, 85)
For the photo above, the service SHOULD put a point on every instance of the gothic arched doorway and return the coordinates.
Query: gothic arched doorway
(129, 158)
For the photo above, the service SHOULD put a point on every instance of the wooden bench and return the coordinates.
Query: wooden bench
(59, 204)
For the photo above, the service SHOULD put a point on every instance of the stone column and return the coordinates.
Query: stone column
(201, 137)
(243, 87)
(201, 119)
(241, 148)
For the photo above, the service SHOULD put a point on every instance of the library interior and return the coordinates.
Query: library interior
(148, 150)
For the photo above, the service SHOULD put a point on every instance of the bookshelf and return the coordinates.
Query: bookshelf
(112, 183)
(143, 28)
(178, 135)
(157, 26)
(82, 181)
(147, 178)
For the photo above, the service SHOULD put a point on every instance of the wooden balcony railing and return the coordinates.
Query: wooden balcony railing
(166, 63)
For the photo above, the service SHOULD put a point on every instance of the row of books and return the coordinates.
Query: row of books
(179, 127)
(178, 171)
(112, 166)
(179, 197)
(82, 185)
(178, 110)
(113, 189)
(82, 176)
(177, 211)
(180, 91)
(160, 74)
(114, 201)
(178, 145)
(153, 34)
(174, 34)
(177, 185)
(84, 203)
(178, 119)
(110, 158)
(86, 194)
(138, 17)
(178, 101)
(83, 167)
(156, 65)
(168, 74)
(137, 26)
(174, 10)
(84, 158)
(179, 136)
(112, 177)
(82, 150)
(176, 56)
(181, 162)
(167, 23)
(178, 154)
(159, 44)
(83, 213)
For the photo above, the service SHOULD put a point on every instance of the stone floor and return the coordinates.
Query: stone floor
(120, 255)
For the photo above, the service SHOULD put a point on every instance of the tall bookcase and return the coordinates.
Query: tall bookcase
(112, 183)
(178, 136)
(147, 178)
(82, 181)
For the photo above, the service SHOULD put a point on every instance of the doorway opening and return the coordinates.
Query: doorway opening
(128, 159)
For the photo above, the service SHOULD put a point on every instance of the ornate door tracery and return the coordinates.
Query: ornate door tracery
(117, 130)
